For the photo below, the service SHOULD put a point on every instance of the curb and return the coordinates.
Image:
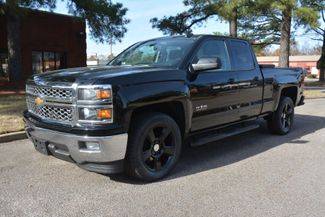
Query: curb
(9, 137)
(315, 98)
(314, 88)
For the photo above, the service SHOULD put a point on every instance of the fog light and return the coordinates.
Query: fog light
(93, 146)
(89, 146)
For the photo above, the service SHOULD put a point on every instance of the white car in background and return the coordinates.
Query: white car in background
(314, 72)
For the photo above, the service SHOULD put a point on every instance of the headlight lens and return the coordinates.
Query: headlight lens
(95, 104)
(95, 114)
(95, 94)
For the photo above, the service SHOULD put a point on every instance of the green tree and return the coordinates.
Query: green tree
(106, 21)
(316, 25)
(260, 24)
(242, 16)
(273, 22)
(200, 11)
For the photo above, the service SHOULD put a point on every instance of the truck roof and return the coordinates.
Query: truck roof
(198, 36)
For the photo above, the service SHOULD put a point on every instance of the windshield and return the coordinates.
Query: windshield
(159, 52)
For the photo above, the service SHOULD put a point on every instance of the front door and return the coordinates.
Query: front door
(213, 92)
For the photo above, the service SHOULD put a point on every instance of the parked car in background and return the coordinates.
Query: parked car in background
(314, 72)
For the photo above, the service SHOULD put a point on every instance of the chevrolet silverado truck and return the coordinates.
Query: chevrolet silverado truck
(135, 113)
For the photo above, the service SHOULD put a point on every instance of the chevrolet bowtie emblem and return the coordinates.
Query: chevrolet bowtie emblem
(39, 101)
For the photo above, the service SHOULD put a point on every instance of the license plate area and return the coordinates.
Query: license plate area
(41, 146)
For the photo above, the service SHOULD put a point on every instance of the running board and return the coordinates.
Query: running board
(221, 134)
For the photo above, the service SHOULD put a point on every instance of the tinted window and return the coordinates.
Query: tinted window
(214, 49)
(158, 52)
(242, 56)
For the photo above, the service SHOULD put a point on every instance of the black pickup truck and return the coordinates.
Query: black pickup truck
(134, 114)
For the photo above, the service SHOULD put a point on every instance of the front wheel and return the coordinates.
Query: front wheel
(154, 147)
(282, 120)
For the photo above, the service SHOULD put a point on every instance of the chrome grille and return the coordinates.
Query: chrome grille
(52, 92)
(58, 102)
(62, 113)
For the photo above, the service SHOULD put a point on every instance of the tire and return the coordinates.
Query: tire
(154, 147)
(282, 119)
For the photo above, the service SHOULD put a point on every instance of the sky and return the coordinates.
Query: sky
(139, 29)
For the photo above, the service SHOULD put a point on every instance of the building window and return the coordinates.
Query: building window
(37, 62)
(49, 61)
(46, 61)
(58, 60)
(3, 65)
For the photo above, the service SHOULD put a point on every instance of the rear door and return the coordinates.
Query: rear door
(213, 92)
(250, 79)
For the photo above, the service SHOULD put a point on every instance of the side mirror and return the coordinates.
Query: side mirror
(206, 64)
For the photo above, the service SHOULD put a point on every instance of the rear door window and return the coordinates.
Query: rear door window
(241, 55)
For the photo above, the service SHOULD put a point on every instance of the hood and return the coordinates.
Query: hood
(109, 75)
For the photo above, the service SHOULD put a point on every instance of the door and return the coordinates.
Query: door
(249, 77)
(213, 92)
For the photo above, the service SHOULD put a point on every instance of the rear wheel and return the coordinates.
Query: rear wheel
(282, 120)
(154, 147)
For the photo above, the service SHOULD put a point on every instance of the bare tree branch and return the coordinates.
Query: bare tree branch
(198, 20)
(316, 39)
(320, 29)
(317, 31)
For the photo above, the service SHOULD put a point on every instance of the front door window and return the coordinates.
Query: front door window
(214, 49)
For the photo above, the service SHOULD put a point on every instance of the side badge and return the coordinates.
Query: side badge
(201, 108)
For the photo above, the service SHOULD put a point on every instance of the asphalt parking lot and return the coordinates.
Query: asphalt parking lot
(255, 174)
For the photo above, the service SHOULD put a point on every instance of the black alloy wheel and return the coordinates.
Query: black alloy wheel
(282, 119)
(286, 117)
(154, 147)
(158, 148)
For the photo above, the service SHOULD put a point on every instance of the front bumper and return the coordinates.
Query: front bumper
(108, 159)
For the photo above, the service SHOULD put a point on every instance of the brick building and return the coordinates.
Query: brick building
(49, 41)
(308, 62)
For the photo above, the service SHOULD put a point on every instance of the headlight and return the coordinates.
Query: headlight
(95, 93)
(95, 104)
(96, 114)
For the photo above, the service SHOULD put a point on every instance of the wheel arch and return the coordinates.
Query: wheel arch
(290, 91)
(175, 109)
